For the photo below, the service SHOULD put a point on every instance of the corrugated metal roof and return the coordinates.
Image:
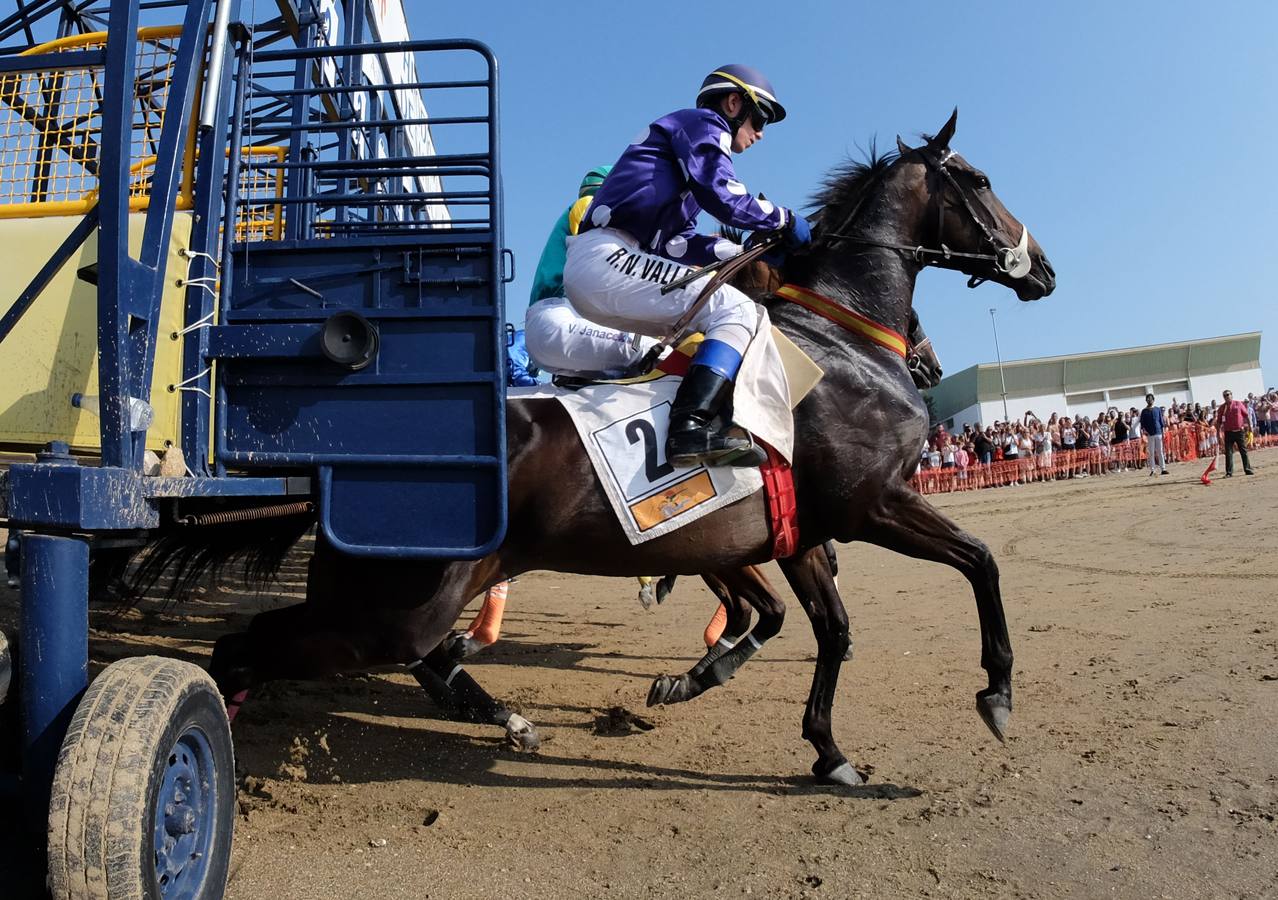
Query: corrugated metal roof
(1099, 370)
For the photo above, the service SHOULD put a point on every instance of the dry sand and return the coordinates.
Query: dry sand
(1141, 761)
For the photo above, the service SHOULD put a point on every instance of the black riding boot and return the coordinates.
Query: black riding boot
(693, 438)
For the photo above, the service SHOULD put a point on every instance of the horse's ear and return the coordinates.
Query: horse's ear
(942, 139)
(900, 146)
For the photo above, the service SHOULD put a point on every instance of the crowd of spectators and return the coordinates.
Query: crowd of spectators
(1078, 446)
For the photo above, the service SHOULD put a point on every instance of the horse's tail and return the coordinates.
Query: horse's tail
(177, 558)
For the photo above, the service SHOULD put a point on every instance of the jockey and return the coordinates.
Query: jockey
(559, 339)
(521, 370)
(640, 233)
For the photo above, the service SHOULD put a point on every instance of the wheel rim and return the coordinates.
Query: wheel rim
(185, 816)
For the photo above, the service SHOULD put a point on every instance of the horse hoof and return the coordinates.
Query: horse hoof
(522, 735)
(847, 654)
(647, 595)
(664, 587)
(994, 709)
(662, 685)
(843, 774)
(669, 689)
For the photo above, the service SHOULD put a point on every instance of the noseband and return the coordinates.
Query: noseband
(1011, 261)
(913, 358)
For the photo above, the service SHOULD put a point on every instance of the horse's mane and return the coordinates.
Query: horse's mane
(841, 189)
(845, 185)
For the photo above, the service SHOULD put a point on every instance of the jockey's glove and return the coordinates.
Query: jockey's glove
(796, 232)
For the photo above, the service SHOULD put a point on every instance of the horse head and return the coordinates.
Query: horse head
(921, 358)
(964, 225)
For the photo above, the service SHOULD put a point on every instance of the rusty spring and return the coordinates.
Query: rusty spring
(249, 515)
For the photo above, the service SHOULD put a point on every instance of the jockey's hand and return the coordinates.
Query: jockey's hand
(774, 257)
(796, 232)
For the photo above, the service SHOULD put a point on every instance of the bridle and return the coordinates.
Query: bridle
(913, 358)
(1013, 262)
(913, 349)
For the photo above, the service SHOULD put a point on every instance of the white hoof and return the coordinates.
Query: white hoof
(843, 774)
(521, 734)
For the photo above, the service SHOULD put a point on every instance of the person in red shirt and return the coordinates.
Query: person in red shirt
(1232, 419)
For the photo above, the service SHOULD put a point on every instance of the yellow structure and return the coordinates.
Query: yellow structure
(52, 353)
(51, 126)
(50, 135)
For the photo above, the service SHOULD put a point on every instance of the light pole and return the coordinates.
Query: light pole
(1001, 379)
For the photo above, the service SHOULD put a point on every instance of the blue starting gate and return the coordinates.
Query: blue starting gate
(333, 341)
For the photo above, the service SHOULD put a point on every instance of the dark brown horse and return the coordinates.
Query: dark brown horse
(457, 693)
(857, 439)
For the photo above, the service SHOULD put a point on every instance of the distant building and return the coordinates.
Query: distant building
(1087, 383)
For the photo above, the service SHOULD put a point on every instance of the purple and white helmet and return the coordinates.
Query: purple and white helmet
(746, 81)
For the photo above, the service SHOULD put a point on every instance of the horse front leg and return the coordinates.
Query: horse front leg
(905, 522)
(463, 699)
(811, 576)
(735, 590)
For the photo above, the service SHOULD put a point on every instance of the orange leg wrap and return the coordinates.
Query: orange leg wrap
(714, 630)
(487, 625)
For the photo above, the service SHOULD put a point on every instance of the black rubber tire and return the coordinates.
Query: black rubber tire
(110, 770)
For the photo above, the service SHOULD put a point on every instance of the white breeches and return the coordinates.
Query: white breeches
(563, 342)
(610, 280)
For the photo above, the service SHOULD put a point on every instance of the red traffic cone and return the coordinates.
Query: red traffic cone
(1206, 479)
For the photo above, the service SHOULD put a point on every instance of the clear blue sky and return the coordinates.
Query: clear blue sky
(1138, 141)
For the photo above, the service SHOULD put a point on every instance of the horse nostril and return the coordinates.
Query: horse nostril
(1047, 267)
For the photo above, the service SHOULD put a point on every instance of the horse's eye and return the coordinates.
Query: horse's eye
(982, 182)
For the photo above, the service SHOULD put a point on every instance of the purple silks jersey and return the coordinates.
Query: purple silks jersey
(680, 165)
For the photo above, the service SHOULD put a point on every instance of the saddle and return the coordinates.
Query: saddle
(800, 371)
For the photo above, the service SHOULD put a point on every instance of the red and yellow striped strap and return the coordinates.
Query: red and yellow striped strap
(840, 315)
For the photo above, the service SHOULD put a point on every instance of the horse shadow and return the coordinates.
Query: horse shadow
(335, 748)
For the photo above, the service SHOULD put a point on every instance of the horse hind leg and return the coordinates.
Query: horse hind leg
(908, 524)
(721, 661)
(328, 635)
(832, 564)
(812, 580)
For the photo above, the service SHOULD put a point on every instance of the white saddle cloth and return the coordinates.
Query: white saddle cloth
(623, 428)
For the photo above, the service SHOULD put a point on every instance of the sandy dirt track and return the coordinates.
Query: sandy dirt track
(1142, 760)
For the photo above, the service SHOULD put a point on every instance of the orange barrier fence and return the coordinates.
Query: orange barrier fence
(1181, 443)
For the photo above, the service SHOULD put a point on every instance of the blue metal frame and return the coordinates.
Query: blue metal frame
(210, 174)
(55, 659)
(129, 290)
(434, 293)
